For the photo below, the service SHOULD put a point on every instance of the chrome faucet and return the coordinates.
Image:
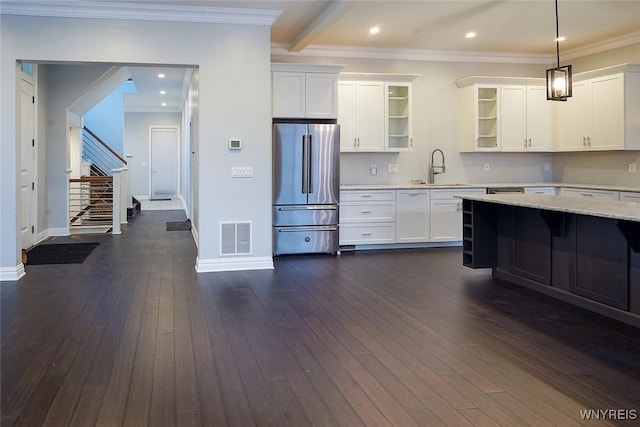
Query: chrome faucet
(435, 169)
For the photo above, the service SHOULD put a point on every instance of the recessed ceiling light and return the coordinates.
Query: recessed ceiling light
(162, 92)
(470, 35)
(374, 30)
(164, 104)
(161, 76)
(561, 39)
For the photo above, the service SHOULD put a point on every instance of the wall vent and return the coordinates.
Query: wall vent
(235, 238)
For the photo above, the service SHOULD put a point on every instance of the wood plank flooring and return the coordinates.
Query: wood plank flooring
(134, 337)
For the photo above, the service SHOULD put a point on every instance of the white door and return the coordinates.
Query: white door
(164, 143)
(27, 167)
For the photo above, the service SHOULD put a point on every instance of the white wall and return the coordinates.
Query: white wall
(435, 125)
(136, 142)
(234, 101)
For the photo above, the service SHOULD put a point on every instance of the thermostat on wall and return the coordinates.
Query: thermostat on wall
(235, 144)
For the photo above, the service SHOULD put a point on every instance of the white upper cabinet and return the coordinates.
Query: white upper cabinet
(398, 135)
(513, 114)
(525, 119)
(374, 112)
(594, 117)
(361, 116)
(304, 91)
(479, 120)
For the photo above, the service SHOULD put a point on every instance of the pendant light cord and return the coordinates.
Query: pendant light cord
(557, 36)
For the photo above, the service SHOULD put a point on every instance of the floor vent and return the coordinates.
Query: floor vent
(235, 238)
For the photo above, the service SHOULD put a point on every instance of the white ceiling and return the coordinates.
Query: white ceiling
(503, 27)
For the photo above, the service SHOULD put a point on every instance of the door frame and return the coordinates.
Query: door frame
(177, 153)
(24, 78)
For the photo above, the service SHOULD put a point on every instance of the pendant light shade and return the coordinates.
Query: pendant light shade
(558, 79)
(559, 83)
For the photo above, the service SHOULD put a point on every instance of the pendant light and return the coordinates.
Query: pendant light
(559, 78)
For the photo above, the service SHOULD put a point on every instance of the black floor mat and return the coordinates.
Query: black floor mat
(178, 225)
(63, 253)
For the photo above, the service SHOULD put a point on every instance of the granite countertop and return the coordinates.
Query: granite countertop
(485, 185)
(629, 211)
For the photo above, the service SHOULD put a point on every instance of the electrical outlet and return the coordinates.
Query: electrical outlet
(373, 169)
(547, 167)
(486, 167)
(392, 167)
(632, 167)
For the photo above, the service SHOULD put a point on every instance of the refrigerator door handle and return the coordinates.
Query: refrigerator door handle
(314, 228)
(305, 165)
(310, 162)
(308, 208)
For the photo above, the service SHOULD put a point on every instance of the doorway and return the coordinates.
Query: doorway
(164, 146)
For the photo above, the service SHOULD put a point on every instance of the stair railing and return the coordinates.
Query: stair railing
(94, 204)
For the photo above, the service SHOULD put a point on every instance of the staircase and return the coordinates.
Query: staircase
(98, 201)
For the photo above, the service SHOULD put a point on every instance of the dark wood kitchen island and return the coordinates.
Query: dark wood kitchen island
(583, 251)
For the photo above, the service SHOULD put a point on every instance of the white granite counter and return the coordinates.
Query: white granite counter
(629, 211)
(405, 186)
(486, 185)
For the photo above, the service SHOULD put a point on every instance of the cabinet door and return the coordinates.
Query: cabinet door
(607, 113)
(346, 116)
(572, 118)
(538, 119)
(398, 111)
(626, 196)
(321, 96)
(513, 118)
(446, 220)
(412, 216)
(288, 97)
(369, 116)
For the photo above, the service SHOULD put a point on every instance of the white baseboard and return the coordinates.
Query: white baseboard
(233, 264)
(12, 274)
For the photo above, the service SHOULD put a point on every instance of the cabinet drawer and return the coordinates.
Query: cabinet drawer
(583, 192)
(363, 196)
(382, 211)
(354, 234)
(448, 193)
(626, 196)
(549, 191)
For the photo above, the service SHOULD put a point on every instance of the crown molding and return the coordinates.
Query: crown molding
(413, 54)
(138, 12)
(602, 46)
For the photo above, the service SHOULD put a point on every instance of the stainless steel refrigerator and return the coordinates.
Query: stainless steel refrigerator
(306, 187)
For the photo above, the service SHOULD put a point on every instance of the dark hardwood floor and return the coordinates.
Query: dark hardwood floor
(134, 337)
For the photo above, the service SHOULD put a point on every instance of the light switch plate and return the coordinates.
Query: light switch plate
(392, 167)
(632, 167)
(241, 172)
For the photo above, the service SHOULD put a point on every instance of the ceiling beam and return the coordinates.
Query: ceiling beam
(327, 16)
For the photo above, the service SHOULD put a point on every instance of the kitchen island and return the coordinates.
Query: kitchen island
(583, 251)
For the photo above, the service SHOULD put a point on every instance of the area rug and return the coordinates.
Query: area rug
(60, 253)
(179, 225)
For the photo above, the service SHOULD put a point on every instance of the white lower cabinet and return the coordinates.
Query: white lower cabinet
(446, 214)
(401, 216)
(628, 196)
(412, 216)
(585, 192)
(367, 217)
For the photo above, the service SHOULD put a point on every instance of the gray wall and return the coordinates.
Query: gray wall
(234, 63)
